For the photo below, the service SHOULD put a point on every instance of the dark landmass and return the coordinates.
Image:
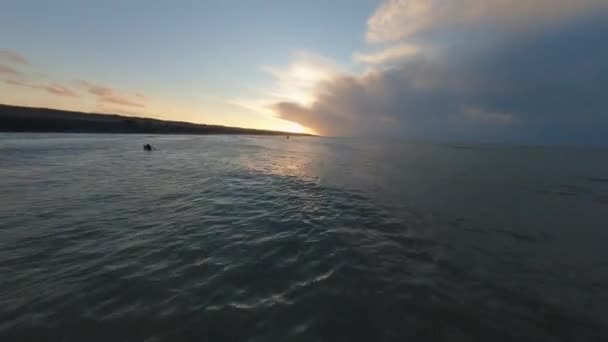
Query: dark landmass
(45, 120)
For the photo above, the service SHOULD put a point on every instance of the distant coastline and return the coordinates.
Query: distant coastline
(45, 120)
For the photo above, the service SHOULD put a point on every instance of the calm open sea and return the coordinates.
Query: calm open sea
(225, 238)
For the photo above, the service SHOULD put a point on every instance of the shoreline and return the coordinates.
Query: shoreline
(15, 119)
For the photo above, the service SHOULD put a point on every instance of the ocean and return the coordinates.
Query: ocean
(243, 238)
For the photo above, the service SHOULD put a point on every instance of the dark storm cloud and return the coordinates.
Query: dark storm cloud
(547, 85)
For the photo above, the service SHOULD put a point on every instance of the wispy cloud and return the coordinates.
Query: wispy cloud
(7, 70)
(13, 57)
(97, 90)
(104, 94)
(388, 54)
(15, 82)
(112, 96)
(18, 78)
(55, 88)
(116, 99)
(60, 90)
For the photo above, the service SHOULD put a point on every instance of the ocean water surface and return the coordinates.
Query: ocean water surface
(228, 238)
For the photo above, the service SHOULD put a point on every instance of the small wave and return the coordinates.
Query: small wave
(601, 199)
(465, 225)
(230, 241)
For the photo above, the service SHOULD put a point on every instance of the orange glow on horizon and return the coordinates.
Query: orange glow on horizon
(293, 127)
(170, 113)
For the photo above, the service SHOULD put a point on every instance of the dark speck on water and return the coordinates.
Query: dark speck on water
(237, 238)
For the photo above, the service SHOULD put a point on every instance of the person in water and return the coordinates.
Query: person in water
(148, 147)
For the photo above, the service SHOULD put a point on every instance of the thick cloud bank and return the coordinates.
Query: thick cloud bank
(503, 72)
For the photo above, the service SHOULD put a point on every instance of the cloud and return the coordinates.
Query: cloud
(396, 19)
(347, 105)
(6, 70)
(13, 57)
(100, 91)
(55, 88)
(298, 80)
(104, 94)
(484, 80)
(388, 55)
(60, 90)
(15, 82)
(111, 96)
(116, 99)
(404, 19)
(19, 79)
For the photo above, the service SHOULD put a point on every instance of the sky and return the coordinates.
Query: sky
(532, 71)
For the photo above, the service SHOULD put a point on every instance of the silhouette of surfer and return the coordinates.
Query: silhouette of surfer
(148, 147)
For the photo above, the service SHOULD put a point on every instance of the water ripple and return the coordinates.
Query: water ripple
(252, 246)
